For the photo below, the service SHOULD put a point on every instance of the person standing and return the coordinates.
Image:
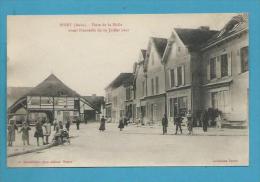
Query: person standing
(11, 132)
(102, 124)
(78, 123)
(189, 122)
(177, 121)
(47, 129)
(164, 124)
(25, 133)
(55, 123)
(38, 131)
(121, 124)
(67, 125)
(204, 120)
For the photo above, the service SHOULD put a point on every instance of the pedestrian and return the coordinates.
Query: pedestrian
(25, 133)
(55, 123)
(77, 123)
(102, 124)
(204, 120)
(219, 119)
(189, 122)
(121, 124)
(67, 125)
(47, 131)
(177, 121)
(11, 132)
(164, 124)
(38, 132)
(125, 120)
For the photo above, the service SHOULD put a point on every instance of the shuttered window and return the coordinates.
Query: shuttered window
(224, 65)
(244, 59)
(212, 67)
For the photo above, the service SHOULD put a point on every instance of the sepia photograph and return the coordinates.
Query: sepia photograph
(125, 90)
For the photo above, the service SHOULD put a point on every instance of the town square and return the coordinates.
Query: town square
(128, 93)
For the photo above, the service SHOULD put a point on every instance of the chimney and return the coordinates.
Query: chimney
(204, 27)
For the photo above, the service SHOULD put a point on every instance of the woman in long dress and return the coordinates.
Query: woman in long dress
(102, 124)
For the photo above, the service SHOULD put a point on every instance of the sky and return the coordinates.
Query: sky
(87, 52)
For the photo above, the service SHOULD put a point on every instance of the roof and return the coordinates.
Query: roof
(129, 80)
(194, 38)
(119, 80)
(52, 86)
(160, 45)
(95, 101)
(14, 93)
(236, 24)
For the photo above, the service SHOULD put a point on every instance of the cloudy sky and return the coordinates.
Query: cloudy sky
(87, 61)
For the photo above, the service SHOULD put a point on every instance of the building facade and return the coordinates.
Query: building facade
(225, 67)
(183, 70)
(119, 97)
(194, 70)
(155, 96)
(139, 104)
(51, 99)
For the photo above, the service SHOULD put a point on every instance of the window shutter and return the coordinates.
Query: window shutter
(183, 74)
(230, 64)
(239, 67)
(218, 67)
(170, 79)
(208, 70)
(175, 77)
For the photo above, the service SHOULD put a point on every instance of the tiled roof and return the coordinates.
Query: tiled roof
(119, 80)
(236, 24)
(160, 45)
(52, 86)
(194, 38)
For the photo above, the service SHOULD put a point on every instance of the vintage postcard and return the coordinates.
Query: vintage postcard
(127, 90)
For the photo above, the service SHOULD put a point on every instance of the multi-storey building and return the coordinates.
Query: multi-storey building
(155, 80)
(183, 71)
(117, 97)
(139, 105)
(225, 66)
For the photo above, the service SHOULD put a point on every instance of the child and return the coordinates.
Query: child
(25, 133)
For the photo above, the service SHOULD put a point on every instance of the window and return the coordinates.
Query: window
(152, 85)
(224, 65)
(212, 68)
(115, 101)
(179, 75)
(220, 100)
(76, 104)
(182, 102)
(172, 78)
(244, 59)
(157, 85)
(178, 106)
(128, 93)
(171, 107)
(143, 91)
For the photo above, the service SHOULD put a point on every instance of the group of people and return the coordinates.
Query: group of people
(204, 119)
(123, 121)
(178, 122)
(42, 130)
